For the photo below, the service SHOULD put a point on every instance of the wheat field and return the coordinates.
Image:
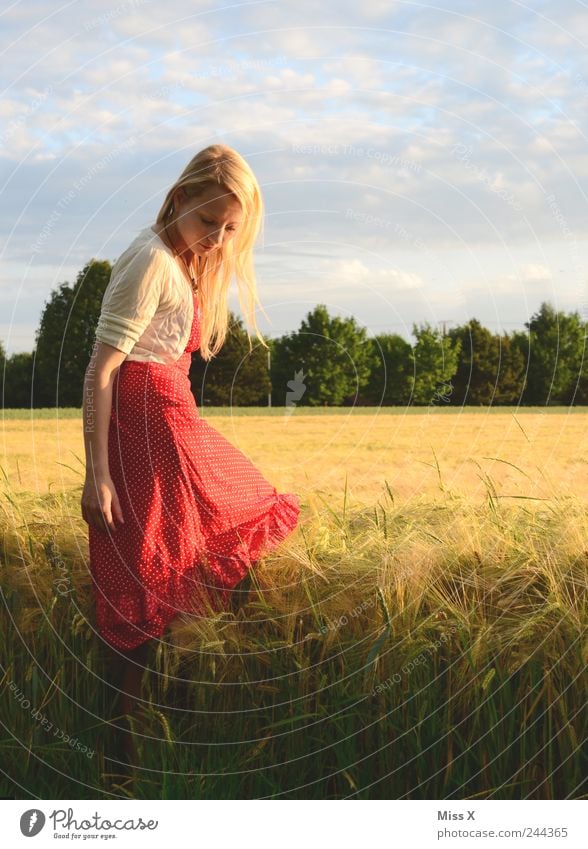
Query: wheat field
(422, 634)
(533, 454)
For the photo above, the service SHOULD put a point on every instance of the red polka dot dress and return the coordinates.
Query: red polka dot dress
(197, 513)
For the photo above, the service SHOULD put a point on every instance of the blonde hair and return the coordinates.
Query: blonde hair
(220, 165)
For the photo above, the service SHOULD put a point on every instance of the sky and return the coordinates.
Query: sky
(419, 162)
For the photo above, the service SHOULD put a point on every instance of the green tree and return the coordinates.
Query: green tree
(328, 361)
(236, 376)
(389, 383)
(511, 371)
(65, 337)
(18, 376)
(490, 369)
(554, 353)
(3, 373)
(435, 360)
(581, 390)
(2, 357)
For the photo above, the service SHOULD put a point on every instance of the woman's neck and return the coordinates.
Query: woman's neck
(177, 243)
(164, 236)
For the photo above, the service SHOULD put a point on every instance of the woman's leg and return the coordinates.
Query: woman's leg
(129, 667)
(131, 691)
(133, 668)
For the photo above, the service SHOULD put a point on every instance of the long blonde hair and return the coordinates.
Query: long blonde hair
(220, 165)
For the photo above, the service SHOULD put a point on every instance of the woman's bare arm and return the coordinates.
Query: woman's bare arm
(100, 504)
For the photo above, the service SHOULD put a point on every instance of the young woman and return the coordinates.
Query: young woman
(176, 513)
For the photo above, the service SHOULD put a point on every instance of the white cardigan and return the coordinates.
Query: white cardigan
(148, 307)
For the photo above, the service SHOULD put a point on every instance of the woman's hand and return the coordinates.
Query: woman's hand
(100, 504)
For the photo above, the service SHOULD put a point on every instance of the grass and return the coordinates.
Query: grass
(538, 455)
(407, 648)
(76, 412)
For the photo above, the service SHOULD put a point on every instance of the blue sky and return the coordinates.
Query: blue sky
(419, 162)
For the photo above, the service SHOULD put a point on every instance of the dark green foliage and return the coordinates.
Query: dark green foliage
(554, 350)
(327, 362)
(491, 368)
(17, 379)
(66, 336)
(235, 377)
(390, 380)
(435, 361)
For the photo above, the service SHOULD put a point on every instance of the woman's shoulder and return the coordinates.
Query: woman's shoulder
(145, 259)
(142, 270)
(148, 246)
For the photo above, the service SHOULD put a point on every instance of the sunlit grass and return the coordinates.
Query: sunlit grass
(429, 643)
(527, 454)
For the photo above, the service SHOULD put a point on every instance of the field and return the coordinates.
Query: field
(422, 634)
(419, 453)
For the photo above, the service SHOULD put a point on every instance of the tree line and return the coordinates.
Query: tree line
(328, 361)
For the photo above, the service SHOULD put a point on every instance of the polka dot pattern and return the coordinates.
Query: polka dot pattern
(197, 512)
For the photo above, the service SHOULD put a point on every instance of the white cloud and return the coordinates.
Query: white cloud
(354, 273)
(531, 272)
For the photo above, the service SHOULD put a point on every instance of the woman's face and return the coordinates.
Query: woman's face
(208, 221)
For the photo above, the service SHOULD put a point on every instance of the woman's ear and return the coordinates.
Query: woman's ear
(179, 196)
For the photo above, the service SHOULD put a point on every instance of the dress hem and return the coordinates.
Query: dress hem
(126, 621)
